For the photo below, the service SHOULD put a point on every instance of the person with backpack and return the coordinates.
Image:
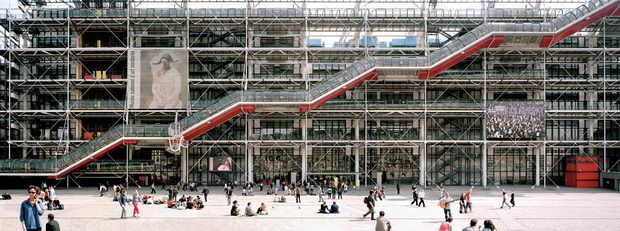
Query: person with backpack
(370, 204)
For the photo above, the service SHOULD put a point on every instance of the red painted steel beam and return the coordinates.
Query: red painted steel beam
(490, 42)
(88, 160)
(550, 40)
(218, 120)
(369, 76)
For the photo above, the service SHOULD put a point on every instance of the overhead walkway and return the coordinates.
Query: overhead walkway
(489, 35)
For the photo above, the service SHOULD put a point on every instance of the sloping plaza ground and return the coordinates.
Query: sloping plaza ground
(537, 209)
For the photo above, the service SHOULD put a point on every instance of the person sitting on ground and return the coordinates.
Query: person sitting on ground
(145, 198)
(249, 211)
(245, 192)
(190, 203)
(334, 208)
(149, 201)
(198, 203)
(472, 225)
(262, 210)
(488, 226)
(324, 208)
(234, 211)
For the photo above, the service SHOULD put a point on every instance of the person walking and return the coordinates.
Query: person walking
(52, 225)
(468, 200)
(415, 196)
(122, 200)
(446, 225)
(383, 224)
(31, 209)
(153, 188)
(370, 204)
(398, 188)
(512, 198)
(229, 193)
(320, 192)
(205, 192)
(462, 203)
(297, 194)
(134, 201)
(504, 199)
(340, 190)
(421, 195)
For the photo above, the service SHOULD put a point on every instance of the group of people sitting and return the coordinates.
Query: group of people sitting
(334, 208)
(187, 203)
(149, 200)
(249, 212)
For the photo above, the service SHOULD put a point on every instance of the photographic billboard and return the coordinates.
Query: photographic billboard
(220, 164)
(515, 119)
(157, 79)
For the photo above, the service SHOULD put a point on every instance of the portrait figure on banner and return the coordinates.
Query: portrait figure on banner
(166, 82)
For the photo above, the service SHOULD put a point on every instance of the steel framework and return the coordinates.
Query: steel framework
(388, 121)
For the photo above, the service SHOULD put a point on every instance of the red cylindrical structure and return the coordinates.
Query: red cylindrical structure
(582, 172)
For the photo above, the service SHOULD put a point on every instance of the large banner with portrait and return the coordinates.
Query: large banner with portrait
(157, 79)
(515, 119)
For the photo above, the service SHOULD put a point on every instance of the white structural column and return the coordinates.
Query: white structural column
(356, 151)
(537, 151)
(249, 156)
(484, 164)
(304, 149)
(184, 164)
(422, 162)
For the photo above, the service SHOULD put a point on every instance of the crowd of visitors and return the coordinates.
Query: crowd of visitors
(33, 207)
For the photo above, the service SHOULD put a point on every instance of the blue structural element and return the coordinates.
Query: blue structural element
(315, 43)
(368, 41)
(408, 41)
(433, 41)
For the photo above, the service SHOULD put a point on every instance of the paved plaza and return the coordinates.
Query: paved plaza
(537, 209)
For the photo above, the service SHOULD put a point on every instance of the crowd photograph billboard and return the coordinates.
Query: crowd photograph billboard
(515, 120)
(158, 79)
